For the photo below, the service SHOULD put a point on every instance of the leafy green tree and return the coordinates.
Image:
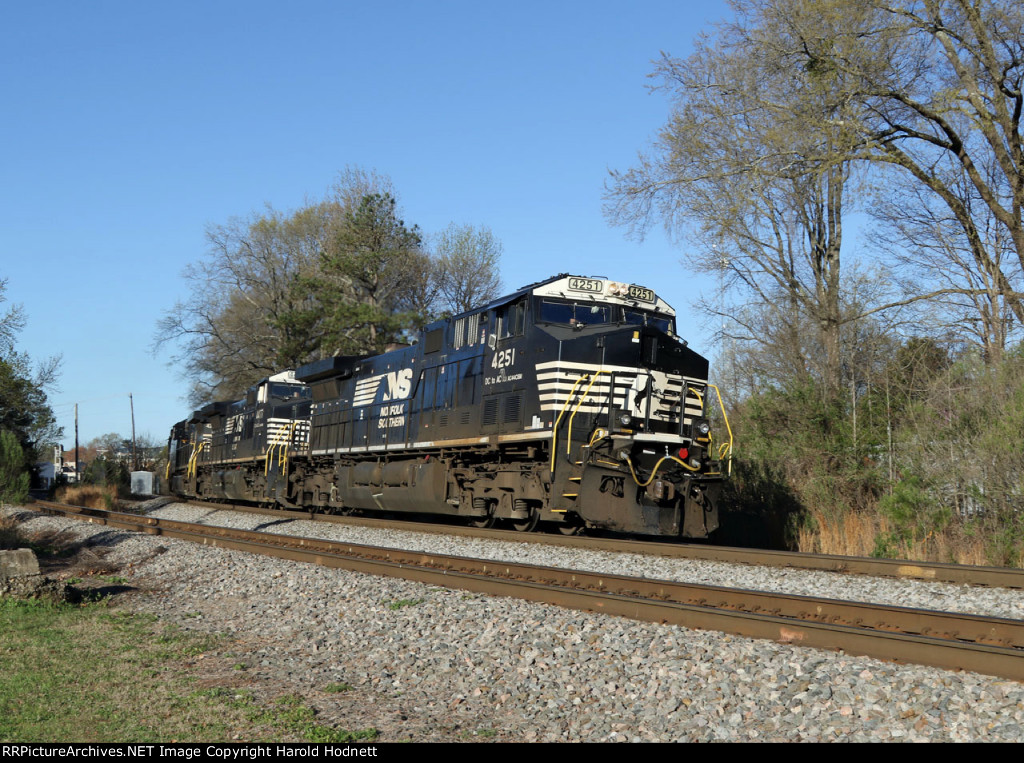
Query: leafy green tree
(24, 409)
(23, 404)
(345, 275)
(363, 284)
(11, 322)
(914, 514)
(108, 470)
(14, 472)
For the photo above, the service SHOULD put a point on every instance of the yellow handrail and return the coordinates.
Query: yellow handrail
(657, 466)
(281, 441)
(697, 393)
(725, 449)
(599, 434)
(568, 444)
(554, 432)
(193, 462)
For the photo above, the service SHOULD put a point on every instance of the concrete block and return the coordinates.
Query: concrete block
(142, 483)
(18, 564)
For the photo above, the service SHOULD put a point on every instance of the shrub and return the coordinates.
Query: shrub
(14, 474)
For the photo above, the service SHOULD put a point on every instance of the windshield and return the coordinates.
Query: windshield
(644, 318)
(574, 313)
(289, 392)
(591, 313)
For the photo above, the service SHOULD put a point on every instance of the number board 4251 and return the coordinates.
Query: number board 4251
(594, 285)
(641, 294)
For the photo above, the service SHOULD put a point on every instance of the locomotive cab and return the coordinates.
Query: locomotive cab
(631, 432)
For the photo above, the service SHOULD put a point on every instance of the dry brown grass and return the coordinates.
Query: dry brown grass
(850, 535)
(855, 534)
(961, 550)
(92, 496)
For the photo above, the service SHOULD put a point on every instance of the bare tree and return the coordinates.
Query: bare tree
(11, 323)
(345, 275)
(753, 166)
(922, 235)
(354, 183)
(934, 93)
(468, 267)
(233, 329)
(773, 113)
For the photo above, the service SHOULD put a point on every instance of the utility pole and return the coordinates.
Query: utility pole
(135, 461)
(76, 443)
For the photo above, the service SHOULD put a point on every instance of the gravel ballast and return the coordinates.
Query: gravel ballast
(426, 663)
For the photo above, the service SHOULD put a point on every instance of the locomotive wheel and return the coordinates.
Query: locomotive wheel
(571, 526)
(529, 524)
(485, 522)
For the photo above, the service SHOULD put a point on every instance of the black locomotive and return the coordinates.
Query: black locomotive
(571, 401)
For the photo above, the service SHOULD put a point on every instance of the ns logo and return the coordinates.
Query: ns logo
(399, 384)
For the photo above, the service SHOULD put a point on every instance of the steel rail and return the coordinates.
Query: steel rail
(989, 645)
(939, 572)
(993, 646)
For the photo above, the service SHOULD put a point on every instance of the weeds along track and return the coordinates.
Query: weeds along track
(988, 645)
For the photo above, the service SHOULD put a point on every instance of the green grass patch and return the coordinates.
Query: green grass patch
(479, 734)
(86, 674)
(338, 688)
(400, 603)
(289, 717)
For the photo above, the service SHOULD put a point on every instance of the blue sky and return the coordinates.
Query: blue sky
(129, 127)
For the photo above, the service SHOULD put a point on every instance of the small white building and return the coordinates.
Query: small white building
(47, 472)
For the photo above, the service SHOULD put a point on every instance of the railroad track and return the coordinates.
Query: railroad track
(994, 577)
(989, 645)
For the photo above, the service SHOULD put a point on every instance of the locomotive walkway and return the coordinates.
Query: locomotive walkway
(993, 646)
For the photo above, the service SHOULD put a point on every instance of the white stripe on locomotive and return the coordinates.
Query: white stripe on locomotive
(557, 379)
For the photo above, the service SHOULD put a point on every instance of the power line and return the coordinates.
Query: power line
(89, 400)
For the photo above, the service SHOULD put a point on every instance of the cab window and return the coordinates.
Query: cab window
(643, 318)
(574, 313)
(512, 320)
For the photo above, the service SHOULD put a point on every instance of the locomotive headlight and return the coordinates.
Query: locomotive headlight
(701, 430)
(625, 419)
